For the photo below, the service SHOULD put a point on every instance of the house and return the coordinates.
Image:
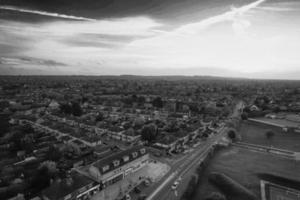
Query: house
(167, 142)
(130, 136)
(91, 141)
(53, 105)
(115, 167)
(254, 108)
(74, 187)
(102, 150)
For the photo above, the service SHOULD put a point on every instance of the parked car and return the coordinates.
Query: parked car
(146, 182)
(127, 197)
(175, 185)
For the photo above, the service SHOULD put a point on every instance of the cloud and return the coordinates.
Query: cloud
(44, 13)
(276, 9)
(227, 16)
(230, 41)
(29, 61)
(240, 27)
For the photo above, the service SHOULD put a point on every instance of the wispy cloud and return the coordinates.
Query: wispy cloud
(29, 61)
(244, 39)
(276, 9)
(44, 13)
(227, 16)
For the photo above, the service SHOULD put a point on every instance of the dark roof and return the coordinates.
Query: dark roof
(167, 139)
(282, 181)
(60, 189)
(118, 156)
(102, 148)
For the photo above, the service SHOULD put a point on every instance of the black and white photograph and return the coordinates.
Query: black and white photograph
(149, 100)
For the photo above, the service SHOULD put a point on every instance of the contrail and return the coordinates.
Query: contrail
(227, 16)
(44, 13)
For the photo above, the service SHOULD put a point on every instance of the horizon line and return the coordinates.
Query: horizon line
(154, 76)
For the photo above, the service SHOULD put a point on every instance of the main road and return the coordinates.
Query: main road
(185, 167)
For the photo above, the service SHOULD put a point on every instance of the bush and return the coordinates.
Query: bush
(232, 135)
(191, 188)
(230, 187)
(244, 116)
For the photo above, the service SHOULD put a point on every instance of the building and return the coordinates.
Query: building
(53, 105)
(254, 108)
(116, 167)
(103, 150)
(274, 191)
(75, 187)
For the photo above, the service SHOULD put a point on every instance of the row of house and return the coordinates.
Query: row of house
(98, 175)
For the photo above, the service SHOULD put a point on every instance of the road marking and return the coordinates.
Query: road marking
(162, 185)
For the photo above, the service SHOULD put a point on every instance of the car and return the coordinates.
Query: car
(127, 197)
(146, 182)
(175, 185)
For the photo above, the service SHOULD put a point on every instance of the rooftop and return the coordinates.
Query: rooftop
(123, 157)
(65, 187)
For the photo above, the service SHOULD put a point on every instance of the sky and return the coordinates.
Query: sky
(231, 38)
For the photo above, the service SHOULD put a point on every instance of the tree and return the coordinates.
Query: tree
(44, 174)
(4, 124)
(141, 99)
(244, 116)
(76, 109)
(138, 123)
(157, 102)
(194, 109)
(65, 108)
(231, 135)
(50, 165)
(27, 129)
(172, 126)
(54, 154)
(99, 117)
(191, 188)
(27, 143)
(149, 132)
(226, 111)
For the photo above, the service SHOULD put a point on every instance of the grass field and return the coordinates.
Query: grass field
(243, 166)
(255, 133)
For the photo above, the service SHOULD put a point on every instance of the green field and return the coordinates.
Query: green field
(256, 134)
(243, 166)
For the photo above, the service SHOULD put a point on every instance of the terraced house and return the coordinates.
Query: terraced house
(119, 165)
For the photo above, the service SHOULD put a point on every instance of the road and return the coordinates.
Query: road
(187, 165)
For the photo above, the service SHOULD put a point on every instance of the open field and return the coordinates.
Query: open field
(243, 166)
(256, 133)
